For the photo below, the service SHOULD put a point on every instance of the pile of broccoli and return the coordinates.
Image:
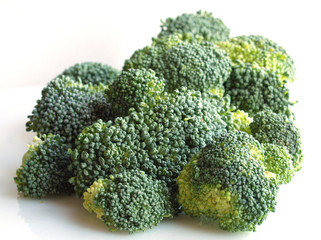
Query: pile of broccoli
(197, 122)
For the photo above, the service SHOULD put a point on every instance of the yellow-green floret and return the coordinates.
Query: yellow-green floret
(91, 73)
(256, 49)
(129, 200)
(237, 120)
(226, 182)
(278, 160)
(202, 26)
(278, 129)
(44, 169)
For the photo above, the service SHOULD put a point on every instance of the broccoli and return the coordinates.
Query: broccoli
(278, 129)
(237, 120)
(201, 25)
(91, 73)
(196, 66)
(132, 87)
(156, 138)
(255, 89)
(278, 160)
(227, 183)
(194, 122)
(264, 52)
(44, 170)
(129, 200)
(66, 107)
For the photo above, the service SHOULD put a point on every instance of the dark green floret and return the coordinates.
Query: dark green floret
(133, 87)
(269, 127)
(129, 200)
(254, 89)
(66, 107)
(202, 26)
(44, 170)
(227, 183)
(156, 138)
(256, 49)
(278, 160)
(195, 66)
(91, 73)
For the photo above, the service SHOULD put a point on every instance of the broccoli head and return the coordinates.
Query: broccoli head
(129, 200)
(66, 107)
(254, 89)
(227, 183)
(44, 170)
(91, 73)
(278, 160)
(261, 51)
(155, 138)
(269, 127)
(194, 66)
(202, 26)
(133, 87)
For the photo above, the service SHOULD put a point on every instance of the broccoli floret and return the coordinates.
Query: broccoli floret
(269, 127)
(253, 89)
(237, 121)
(129, 200)
(261, 51)
(278, 160)
(44, 170)
(91, 73)
(195, 66)
(227, 183)
(202, 26)
(156, 138)
(133, 87)
(66, 107)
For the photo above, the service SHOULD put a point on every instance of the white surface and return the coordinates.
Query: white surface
(38, 41)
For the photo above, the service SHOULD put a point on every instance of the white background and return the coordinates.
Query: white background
(39, 39)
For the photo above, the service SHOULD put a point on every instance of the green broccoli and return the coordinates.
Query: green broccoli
(255, 89)
(66, 107)
(91, 73)
(278, 129)
(278, 160)
(264, 52)
(155, 138)
(227, 183)
(44, 170)
(196, 66)
(133, 87)
(202, 26)
(129, 200)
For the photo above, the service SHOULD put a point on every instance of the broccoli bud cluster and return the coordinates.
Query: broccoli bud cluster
(254, 89)
(195, 66)
(226, 182)
(130, 200)
(91, 73)
(66, 107)
(156, 138)
(195, 122)
(44, 169)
